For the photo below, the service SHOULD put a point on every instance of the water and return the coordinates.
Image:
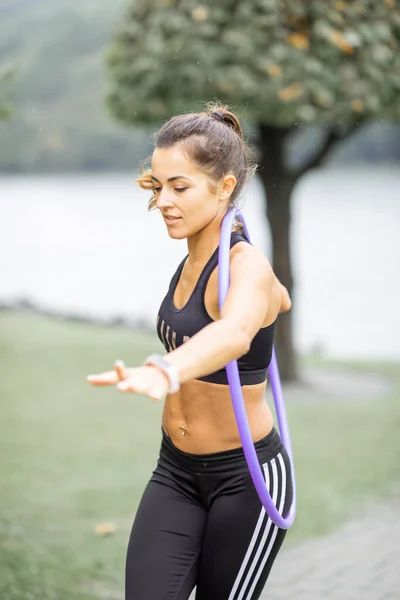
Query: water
(87, 244)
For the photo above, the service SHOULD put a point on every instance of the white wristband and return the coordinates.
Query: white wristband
(170, 371)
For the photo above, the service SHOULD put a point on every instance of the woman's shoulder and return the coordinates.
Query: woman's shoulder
(248, 263)
(244, 249)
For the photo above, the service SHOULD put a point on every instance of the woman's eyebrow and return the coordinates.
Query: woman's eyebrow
(172, 178)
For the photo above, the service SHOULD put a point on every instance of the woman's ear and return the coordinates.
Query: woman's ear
(228, 184)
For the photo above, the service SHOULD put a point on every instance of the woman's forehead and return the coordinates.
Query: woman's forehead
(166, 160)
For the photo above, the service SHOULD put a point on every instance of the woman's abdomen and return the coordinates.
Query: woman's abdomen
(200, 419)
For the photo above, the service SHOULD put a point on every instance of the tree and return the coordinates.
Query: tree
(282, 63)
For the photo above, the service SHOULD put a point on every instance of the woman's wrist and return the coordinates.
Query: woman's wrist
(169, 371)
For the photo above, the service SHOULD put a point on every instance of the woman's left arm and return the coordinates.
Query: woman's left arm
(242, 315)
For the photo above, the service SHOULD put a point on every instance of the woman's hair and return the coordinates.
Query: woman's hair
(214, 141)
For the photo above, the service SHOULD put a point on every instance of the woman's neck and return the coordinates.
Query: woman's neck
(202, 245)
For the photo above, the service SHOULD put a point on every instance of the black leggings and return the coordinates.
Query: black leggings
(200, 523)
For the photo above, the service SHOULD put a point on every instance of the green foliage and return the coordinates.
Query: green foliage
(5, 106)
(59, 121)
(56, 51)
(279, 62)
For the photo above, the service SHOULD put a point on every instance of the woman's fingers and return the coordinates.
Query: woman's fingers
(141, 380)
(130, 385)
(119, 368)
(108, 378)
(127, 386)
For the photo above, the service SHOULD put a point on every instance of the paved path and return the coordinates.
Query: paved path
(335, 384)
(359, 562)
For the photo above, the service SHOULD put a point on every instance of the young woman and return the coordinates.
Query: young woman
(200, 521)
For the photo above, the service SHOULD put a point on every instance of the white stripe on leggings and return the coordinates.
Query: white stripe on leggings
(265, 535)
(252, 541)
(274, 533)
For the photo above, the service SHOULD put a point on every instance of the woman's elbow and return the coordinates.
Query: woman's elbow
(236, 338)
(286, 303)
(242, 342)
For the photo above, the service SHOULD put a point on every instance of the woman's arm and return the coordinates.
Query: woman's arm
(252, 287)
(242, 315)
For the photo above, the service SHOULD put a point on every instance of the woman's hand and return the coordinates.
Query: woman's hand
(147, 380)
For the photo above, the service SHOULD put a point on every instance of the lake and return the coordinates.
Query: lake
(87, 244)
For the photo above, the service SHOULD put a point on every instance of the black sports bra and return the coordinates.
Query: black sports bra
(176, 326)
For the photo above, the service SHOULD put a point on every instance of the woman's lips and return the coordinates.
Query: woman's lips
(170, 220)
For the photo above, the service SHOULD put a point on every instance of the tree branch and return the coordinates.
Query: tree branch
(334, 135)
(330, 140)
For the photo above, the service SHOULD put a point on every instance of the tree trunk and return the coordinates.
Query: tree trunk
(278, 185)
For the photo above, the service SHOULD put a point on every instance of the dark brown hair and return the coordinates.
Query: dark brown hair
(213, 140)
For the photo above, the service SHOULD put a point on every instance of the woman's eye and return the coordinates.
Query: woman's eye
(157, 190)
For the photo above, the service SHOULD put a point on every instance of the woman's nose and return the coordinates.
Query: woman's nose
(164, 199)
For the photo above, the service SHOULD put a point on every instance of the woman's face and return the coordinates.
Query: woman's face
(183, 193)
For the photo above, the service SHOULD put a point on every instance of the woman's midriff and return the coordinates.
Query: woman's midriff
(200, 419)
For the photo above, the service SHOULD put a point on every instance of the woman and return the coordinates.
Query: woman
(200, 521)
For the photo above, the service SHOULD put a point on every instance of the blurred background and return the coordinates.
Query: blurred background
(84, 266)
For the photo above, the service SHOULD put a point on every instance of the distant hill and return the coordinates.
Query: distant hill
(57, 48)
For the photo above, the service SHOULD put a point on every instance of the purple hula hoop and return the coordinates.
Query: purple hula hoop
(284, 522)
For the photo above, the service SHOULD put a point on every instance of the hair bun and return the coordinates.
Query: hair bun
(217, 115)
(227, 117)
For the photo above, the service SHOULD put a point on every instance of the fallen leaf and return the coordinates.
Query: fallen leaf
(105, 528)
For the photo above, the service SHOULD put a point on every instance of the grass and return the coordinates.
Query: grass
(72, 457)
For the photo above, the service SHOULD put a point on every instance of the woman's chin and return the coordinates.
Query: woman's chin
(176, 235)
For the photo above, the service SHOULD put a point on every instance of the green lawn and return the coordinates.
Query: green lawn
(72, 457)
